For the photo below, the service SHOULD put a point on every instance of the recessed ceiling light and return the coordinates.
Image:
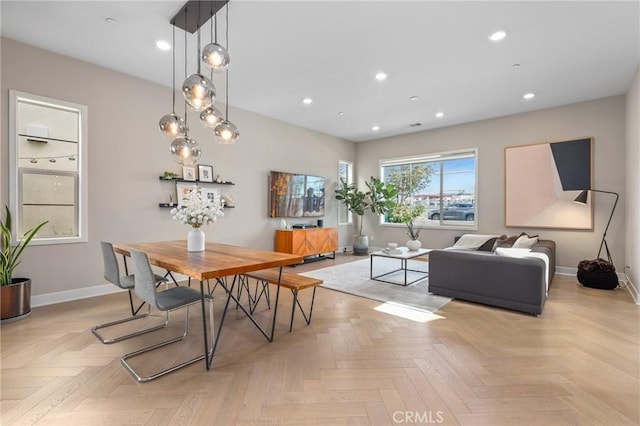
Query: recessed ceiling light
(530, 95)
(381, 76)
(439, 114)
(375, 128)
(307, 101)
(340, 113)
(163, 45)
(414, 98)
(515, 65)
(111, 20)
(497, 36)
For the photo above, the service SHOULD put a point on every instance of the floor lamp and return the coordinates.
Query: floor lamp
(582, 199)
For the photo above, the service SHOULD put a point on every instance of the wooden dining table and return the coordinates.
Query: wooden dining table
(217, 261)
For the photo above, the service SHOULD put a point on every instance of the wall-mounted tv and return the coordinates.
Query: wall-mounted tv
(295, 195)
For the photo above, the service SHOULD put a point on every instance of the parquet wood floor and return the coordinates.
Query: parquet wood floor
(576, 364)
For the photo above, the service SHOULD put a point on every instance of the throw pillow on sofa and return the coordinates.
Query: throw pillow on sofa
(525, 241)
(504, 241)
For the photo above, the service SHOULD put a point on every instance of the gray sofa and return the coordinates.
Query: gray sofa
(485, 277)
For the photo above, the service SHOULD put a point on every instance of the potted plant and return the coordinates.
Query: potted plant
(407, 214)
(15, 292)
(379, 199)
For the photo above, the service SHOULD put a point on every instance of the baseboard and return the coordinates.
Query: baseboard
(633, 292)
(101, 290)
(69, 295)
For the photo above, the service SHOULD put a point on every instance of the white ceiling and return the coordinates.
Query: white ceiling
(330, 51)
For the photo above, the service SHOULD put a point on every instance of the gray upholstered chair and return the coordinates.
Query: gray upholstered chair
(167, 300)
(112, 274)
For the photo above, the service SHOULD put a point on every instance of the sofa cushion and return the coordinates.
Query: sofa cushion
(504, 241)
(525, 241)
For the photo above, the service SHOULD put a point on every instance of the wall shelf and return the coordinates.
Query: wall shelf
(172, 205)
(195, 181)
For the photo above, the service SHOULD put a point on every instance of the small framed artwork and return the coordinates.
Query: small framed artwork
(205, 173)
(182, 190)
(189, 173)
(211, 194)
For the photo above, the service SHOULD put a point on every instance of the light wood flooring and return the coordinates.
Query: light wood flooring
(576, 364)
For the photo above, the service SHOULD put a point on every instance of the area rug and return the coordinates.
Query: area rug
(353, 278)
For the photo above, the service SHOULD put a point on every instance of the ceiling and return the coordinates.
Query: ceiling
(330, 51)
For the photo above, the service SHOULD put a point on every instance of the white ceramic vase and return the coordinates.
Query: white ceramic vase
(195, 240)
(414, 245)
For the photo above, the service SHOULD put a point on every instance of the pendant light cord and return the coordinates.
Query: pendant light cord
(173, 74)
(227, 72)
(186, 10)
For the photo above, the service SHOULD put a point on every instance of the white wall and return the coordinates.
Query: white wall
(127, 153)
(632, 168)
(601, 119)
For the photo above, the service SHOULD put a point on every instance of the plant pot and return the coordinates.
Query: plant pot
(414, 245)
(361, 245)
(15, 300)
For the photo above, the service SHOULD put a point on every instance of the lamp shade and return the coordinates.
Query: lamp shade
(185, 150)
(172, 126)
(198, 91)
(582, 197)
(226, 132)
(210, 117)
(215, 57)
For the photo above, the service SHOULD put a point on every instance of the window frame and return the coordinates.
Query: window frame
(435, 157)
(15, 176)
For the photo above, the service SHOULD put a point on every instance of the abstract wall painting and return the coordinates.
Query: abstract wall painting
(541, 182)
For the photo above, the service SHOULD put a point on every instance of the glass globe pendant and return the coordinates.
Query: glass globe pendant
(210, 117)
(226, 132)
(198, 91)
(172, 126)
(185, 150)
(215, 57)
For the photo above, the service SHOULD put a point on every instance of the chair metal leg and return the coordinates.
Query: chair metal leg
(95, 329)
(141, 379)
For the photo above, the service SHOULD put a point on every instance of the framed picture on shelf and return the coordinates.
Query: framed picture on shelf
(189, 173)
(205, 173)
(211, 194)
(182, 190)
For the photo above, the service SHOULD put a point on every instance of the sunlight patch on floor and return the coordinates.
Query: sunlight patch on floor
(407, 313)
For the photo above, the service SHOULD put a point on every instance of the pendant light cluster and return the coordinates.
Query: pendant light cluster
(199, 91)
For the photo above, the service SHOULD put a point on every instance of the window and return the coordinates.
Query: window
(437, 190)
(345, 174)
(47, 167)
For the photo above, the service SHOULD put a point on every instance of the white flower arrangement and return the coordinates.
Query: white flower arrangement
(197, 210)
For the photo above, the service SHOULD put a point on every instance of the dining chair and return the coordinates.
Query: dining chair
(126, 282)
(168, 300)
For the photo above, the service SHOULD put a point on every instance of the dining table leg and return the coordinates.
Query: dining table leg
(204, 327)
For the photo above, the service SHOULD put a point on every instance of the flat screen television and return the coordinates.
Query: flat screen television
(295, 195)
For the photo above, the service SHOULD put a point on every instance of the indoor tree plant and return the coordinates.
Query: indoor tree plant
(407, 214)
(16, 292)
(379, 199)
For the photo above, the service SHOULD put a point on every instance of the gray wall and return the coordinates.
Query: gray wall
(632, 168)
(127, 153)
(124, 166)
(604, 120)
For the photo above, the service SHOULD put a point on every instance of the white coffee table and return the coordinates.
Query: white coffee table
(404, 257)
